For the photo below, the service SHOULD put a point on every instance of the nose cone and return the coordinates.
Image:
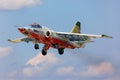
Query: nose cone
(23, 30)
(20, 29)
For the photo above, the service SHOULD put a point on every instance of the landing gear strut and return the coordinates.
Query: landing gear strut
(44, 50)
(61, 51)
(36, 46)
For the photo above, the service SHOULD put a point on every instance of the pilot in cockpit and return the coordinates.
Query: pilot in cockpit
(35, 25)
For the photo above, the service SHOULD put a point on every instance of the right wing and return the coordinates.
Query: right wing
(79, 37)
(24, 39)
(64, 34)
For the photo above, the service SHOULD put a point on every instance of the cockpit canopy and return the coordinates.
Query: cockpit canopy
(35, 25)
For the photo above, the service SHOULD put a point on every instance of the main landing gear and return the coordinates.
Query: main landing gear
(46, 47)
(61, 51)
(36, 46)
(44, 50)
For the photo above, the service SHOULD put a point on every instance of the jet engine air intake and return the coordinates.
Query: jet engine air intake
(47, 33)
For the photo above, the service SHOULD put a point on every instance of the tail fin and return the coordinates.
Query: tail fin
(76, 28)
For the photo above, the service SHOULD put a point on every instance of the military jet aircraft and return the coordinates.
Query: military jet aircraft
(59, 40)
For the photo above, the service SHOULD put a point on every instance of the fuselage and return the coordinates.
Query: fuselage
(60, 40)
(40, 35)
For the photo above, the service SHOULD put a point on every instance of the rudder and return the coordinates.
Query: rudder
(76, 28)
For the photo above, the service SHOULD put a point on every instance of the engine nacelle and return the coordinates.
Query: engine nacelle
(48, 33)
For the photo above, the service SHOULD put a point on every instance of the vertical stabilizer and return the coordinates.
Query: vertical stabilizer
(76, 28)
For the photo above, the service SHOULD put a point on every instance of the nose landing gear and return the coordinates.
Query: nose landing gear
(44, 50)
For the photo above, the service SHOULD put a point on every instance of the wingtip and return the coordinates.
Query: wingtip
(110, 37)
(106, 36)
(9, 40)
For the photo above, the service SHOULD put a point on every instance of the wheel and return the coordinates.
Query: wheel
(61, 51)
(36, 46)
(44, 52)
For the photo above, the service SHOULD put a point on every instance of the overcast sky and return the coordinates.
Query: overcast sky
(97, 61)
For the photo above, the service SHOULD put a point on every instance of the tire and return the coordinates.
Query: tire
(36, 46)
(61, 51)
(44, 52)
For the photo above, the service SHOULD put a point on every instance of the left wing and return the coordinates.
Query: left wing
(24, 39)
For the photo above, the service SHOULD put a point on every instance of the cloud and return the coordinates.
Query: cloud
(5, 51)
(65, 70)
(28, 71)
(104, 68)
(40, 59)
(17, 4)
(115, 77)
(12, 73)
(39, 63)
